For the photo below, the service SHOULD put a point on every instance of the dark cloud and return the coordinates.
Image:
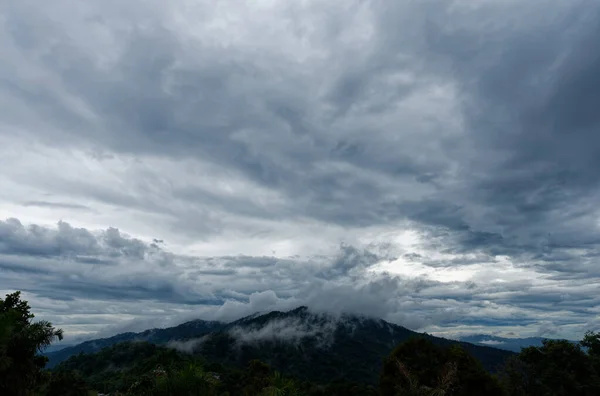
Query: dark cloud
(61, 205)
(17, 239)
(311, 129)
(342, 283)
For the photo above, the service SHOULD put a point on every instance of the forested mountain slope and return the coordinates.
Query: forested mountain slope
(313, 346)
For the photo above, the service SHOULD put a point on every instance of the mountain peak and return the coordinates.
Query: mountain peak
(300, 341)
(300, 309)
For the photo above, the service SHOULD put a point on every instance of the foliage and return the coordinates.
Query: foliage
(591, 341)
(191, 380)
(66, 383)
(419, 367)
(410, 385)
(119, 366)
(21, 340)
(132, 368)
(415, 368)
(558, 367)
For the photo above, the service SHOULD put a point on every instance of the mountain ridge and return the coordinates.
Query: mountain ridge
(154, 336)
(313, 345)
(507, 343)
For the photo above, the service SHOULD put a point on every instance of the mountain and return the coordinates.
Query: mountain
(56, 347)
(508, 344)
(193, 328)
(119, 367)
(313, 346)
(320, 347)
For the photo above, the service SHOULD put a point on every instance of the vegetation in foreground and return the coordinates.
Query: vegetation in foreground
(416, 367)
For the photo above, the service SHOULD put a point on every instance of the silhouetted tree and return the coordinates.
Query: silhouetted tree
(591, 341)
(66, 383)
(557, 368)
(21, 340)
(418, 367)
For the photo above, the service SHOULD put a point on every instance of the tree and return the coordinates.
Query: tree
(470, 375)
(280, 386)
(418, 356)
(558, 368)
(419, 367)
(257, 377)
(591, 341)
(66, 383)
(21, 340)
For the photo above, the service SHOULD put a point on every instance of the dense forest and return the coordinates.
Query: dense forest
(416, 366)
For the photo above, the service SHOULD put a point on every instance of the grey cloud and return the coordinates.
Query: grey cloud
(491, 342)
(187, 346)
(286, 330)
(67, 241)
(60, 205)
(149, 56)
(194, 282)
(350, 259)
(473, 125)
(249, 262)
(35, 240)
(536, 157)
(205, 288)
(173, 278)
(220, 272)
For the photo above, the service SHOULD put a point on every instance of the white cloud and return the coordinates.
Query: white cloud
(187, 346)
(286, 330)
(491, 342)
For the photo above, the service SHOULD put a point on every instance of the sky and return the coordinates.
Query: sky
(433, 163)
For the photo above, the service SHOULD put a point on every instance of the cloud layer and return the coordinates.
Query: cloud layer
(429, 162)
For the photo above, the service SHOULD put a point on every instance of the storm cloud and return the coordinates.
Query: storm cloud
(433, 163)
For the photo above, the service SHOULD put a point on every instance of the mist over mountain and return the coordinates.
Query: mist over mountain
(155, 336)
(312, 345)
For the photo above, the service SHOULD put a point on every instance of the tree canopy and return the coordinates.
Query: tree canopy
(558, 367)
(419, 367)
(21, 340)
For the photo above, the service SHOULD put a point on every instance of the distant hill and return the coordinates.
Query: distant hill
(193, 328)
(56, 347)
(312, 346)
(509, 344)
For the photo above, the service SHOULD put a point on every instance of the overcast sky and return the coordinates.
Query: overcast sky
(435, 163)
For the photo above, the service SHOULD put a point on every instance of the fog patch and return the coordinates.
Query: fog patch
(187, 346)
(286, 330)
(491, 342)
(320, 327)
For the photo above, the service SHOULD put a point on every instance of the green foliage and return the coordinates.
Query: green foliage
(471, 375)
(66, 383)
(119, 366)
(419, 367)
(21, 340)
(191, 380)
(557, 368)
(278, 385)
(591, 341)
(134, 369)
